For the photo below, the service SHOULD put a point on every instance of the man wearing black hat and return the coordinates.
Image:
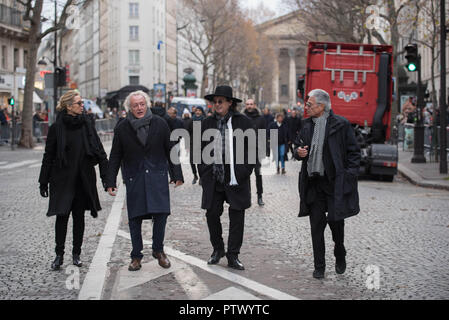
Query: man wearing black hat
(223, 178)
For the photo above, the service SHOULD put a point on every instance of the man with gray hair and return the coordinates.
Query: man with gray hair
(141, 147)
(328, 180)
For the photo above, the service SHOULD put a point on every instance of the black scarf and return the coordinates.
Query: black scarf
(141, 126)
(90, 143)
(218, 168)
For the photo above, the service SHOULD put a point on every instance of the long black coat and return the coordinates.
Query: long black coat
(341, 158)
(63, 179)
(144, 168)
(238, 197)
(294, 126)
(283, 136)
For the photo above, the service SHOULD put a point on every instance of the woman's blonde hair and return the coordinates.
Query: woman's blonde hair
(67, 100)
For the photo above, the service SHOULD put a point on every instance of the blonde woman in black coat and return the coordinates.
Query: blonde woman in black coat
(72, 150)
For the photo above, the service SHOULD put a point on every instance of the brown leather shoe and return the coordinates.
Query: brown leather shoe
(135, 264)
(162, 258)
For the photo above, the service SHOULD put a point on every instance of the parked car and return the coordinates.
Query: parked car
(89, 104)
(181, 103)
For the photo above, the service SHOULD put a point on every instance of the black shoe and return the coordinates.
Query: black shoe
(77, 261)
(56, 265)
(216, 256)
(340, 266)
(318, 273)
(195, 179)
(233, 262)
(260, 201)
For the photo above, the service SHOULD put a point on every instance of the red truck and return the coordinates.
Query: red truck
(358, 78)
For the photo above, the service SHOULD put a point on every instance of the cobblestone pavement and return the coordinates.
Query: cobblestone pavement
(27, 235)
(401, 234)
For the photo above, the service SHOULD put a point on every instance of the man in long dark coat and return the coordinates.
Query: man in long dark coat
(328, 179)
(141, 146)
(226, 180)
(258, 120)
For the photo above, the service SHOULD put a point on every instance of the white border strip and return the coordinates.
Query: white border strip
(93, 283)
(221, 272)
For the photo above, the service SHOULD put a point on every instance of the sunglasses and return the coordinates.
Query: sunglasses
(309, 105)
(219, 101)
(80, 103)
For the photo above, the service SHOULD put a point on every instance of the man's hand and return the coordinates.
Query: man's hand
(178, 183)
(112, 191)
(43, 190)
(302, 152)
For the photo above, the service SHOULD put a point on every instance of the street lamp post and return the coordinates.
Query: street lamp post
(55, 87)
(443, 114)
(418, 148)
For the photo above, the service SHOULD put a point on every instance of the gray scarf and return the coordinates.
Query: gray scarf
(315, 163)
(220, 146)
(141, 126)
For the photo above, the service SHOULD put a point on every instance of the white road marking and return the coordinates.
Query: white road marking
(35, 165)
(221, 272)
(193, 286)
(93, 283)
(148, 272)
(18, 164)
(232, 293)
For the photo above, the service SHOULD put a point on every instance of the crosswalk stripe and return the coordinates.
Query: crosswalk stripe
(18, 164)
(221, 272)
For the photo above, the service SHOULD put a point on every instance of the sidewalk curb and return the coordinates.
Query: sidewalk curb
(419, 181)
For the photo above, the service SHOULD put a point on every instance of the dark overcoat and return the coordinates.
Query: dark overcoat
(63, 179)
(341, 158)
(238, 197)
(144, 168)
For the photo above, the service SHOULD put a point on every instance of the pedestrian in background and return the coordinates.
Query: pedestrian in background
(282, 130)
(328, 179)
(198, 116)
(294, 126)
(258, 120)
(225, 180)
(72, 150)
(141, 147)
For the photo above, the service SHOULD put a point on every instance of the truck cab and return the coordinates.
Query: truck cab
(358, 78)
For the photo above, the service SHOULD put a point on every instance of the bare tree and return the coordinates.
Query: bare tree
(205, 30)
(33, 14)
(428, 25)
(339, 21)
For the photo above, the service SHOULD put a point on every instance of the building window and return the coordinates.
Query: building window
(133, 10)
(134, 80)
(284, 90)
(25, 58)
(16, 59)
(4, 57)
(134, 57)
(134, 33)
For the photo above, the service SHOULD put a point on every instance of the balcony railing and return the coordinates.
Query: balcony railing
(11, 16)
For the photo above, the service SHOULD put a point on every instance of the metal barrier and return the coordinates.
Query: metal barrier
(405, 134)
(105, 130)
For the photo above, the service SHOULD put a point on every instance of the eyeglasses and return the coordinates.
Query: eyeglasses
(309, 105)
(219, 101)
(80, 103)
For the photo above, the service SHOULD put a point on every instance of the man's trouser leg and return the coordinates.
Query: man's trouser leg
(213, 218)
(135, 228)
(236, 228)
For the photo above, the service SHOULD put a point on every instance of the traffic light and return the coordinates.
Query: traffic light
(412, 57)
(60, 77)
(11, 101)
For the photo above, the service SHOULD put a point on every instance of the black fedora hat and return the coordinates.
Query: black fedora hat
(222, 91)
